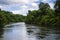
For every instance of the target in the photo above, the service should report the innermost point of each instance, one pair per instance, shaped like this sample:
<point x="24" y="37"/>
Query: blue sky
<point x="22" y="6"/>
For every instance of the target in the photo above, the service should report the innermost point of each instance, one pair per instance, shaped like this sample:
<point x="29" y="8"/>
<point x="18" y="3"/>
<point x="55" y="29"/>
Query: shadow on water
<point x="38" y="32"/>
<point x="1" y="32"/>
<point x="44" y="33"/>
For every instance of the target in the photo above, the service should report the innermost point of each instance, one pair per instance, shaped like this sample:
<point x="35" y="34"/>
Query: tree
<point x="57" y="8"/>
<point x="45" y="16"/>
<point x="43" y="7"/>
<point x="8" y="17"/>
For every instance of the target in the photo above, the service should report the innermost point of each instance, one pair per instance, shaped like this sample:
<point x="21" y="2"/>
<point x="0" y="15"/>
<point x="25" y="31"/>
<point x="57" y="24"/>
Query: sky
<point x="22" y="6"/>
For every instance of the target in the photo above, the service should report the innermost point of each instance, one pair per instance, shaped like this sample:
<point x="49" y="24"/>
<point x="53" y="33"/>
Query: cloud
<point x="21" y="6"/>
<point x="48" y="1"/>
<point x="1" y="6"/>
<point x="52" y="5"/>
<point x="45" y="1"/>
<point x="24" y="9"/>
<point x="22" y="12"/>
<point x="16" y="1"/>
<point x="18" y="6"/>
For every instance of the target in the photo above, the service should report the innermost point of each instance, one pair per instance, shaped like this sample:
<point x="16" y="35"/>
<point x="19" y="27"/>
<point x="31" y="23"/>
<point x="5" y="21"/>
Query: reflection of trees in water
<point x="42" y="33"/>
<point x="29" y="28"/>
<point x="1" y="32"/>
<point x="39" y="34"/>
<point x="57" y="32"/>
<point x="58" y="37"/>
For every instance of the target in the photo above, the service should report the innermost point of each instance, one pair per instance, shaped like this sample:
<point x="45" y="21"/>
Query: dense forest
<point x="45" y="16"/>
<point x="8" y="17"/>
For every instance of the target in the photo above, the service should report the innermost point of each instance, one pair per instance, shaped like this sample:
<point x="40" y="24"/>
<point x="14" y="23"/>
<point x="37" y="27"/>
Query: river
<point x="22" y="31"/>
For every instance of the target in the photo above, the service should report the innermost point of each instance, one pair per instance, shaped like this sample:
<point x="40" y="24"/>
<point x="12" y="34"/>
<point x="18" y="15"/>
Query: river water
<point x="22" y="31"/>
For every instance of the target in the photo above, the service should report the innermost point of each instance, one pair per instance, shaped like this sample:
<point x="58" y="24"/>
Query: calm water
<point x="22" y="31"/>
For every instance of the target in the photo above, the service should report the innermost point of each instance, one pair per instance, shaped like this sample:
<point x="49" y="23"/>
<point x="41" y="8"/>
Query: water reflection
<point x="1" y="33"/>
<point x="43" y="33"/>
<point x="22" y="31"/>
<point x="58" y="37"/>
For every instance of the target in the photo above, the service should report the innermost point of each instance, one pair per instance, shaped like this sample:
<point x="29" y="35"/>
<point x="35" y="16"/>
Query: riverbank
<point x="44" y="16"/>
<point x="8" y="18"/>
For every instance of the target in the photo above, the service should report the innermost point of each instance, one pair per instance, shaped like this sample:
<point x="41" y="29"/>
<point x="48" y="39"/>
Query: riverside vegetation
<point x="8" y="17"/>
<point x="45" y="16"/>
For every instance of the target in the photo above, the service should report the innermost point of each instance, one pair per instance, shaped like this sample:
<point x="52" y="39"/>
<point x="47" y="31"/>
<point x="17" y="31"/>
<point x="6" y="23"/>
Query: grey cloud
<point x="3" y="2"/>
<point x="6" y="2"/>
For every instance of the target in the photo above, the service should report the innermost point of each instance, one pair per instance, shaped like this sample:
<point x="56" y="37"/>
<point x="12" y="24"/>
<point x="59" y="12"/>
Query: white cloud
<point x="51" y="5"/>
<point x="24" y="7"/>
<point x="1" y="6"/>
<point x="17" y="1"/>
<point x="48" y="1"/>
<point x="45" y="1"/>
<point x="21" y="6"/>
<point x="34" y="4"/>
<point x="22" y="12"/>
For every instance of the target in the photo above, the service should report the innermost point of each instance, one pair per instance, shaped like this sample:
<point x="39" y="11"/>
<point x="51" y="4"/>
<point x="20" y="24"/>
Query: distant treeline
<point x="45" y="16"/>
<point x="8" y="17"/>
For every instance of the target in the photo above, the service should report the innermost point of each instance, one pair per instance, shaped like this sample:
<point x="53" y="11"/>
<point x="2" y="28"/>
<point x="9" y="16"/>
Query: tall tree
<point x="43" y="7"/>
<point x="57" y="7"/>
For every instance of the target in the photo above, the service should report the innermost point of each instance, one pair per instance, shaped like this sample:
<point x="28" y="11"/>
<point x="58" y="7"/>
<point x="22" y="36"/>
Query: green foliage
<point x="8" y="17"/>
<point x="57" y="7"/>
<point x="44" y="16"/>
